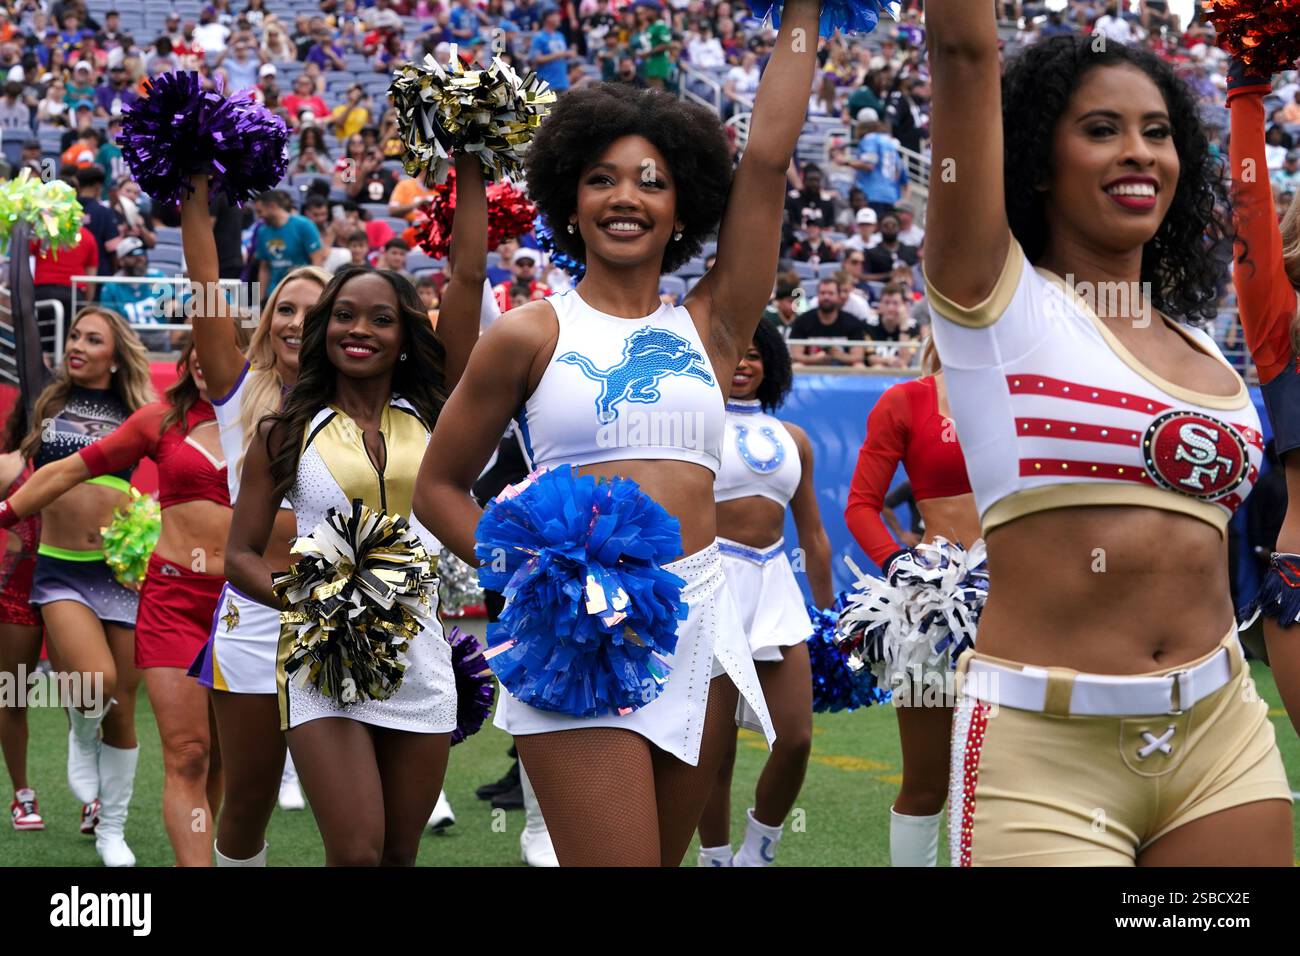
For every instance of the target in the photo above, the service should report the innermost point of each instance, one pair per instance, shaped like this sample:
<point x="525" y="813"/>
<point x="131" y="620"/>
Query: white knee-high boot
<point x="290" y="790"/>
<point x="83" y="754"/>
<point x="116" y="784"/>
<point x="535" y="847"/>
<point x="223" y="860"/>
<point x="913" y="841"/>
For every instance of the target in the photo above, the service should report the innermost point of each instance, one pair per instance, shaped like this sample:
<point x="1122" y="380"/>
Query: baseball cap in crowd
<point x="522" y="253"/>
<point x="81" y="65"/>
<point x="130" y="246"/>
<point x="785" y="289"/>
<point x="866" y="216"/>
<point x="85" y="105"/>
<point x="812" y="215"/>
<point x="868" y="115"/>
<point x="267" y="69"/>
<point x="905" y="207"/>
<point x="1293" y="156"/>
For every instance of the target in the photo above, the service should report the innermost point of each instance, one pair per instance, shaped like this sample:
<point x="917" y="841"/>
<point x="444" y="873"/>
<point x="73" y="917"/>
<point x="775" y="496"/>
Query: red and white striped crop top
<point x="1053" y="411"/>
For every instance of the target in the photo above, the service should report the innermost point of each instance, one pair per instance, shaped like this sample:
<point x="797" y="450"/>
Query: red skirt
<point x="175" y="617"/>
<point x="15" y="589"/>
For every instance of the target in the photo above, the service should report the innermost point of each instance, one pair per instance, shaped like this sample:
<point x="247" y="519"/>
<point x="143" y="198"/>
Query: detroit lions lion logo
<point x="649" y="355"/>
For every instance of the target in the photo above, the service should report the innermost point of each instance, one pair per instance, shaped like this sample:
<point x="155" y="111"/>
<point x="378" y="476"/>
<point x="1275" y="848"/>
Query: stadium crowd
<point x="853" y="241"/>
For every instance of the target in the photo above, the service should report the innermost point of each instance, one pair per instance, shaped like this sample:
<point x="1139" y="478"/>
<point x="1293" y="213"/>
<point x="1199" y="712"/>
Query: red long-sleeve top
<point x="1266" y="299"/>
<point x="904" y="427"/>
<point x="186" y="471"/>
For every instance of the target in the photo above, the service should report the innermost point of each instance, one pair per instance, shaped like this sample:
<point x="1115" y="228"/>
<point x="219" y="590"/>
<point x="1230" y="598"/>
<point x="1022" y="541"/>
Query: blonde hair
<point x="264" y="391"/>
<point x="930" y="364"/>
<point x="132" y="382"/>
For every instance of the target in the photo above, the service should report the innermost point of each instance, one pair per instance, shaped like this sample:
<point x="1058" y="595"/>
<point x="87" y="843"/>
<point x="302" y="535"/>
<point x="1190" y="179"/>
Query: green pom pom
<point x="51" y="208"/>
<point x="130" y="538"/>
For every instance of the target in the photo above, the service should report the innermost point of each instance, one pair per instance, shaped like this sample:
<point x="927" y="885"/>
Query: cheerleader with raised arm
<point x="766" y="469"/>
<point x="1108" y="443"/>
<point x="238" y="662"/>
<point x="1266" y="274"/>
<point x="622" y="397"/>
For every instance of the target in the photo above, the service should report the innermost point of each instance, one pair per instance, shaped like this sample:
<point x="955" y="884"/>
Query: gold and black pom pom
<point x="492" y="113"/>
<point x="362" y="591"/>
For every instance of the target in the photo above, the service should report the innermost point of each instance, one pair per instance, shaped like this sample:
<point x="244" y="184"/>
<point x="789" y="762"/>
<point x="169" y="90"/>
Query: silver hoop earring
<point x="677" y="237"/>
<point x="572" y="228"/>
<point x="403" y="358"/>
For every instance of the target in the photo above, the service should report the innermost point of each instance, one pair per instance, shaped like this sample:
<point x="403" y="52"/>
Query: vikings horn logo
<point x="231" y="617"/>
<point x="649" y="355"/>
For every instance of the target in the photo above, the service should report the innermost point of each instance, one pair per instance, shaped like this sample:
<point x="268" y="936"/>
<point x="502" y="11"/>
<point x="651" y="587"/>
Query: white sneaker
<point x="442" y="817"/>
<point x="290" y="791"/>
<point x="117" y="782"/>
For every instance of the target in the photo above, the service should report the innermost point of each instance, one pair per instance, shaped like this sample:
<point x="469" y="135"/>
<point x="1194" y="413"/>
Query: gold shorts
<point x="1030" y="788"/>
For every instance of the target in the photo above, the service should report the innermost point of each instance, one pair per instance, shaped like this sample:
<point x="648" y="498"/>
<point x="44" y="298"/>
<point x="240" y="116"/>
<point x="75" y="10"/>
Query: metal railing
<point x="690" y="75"/>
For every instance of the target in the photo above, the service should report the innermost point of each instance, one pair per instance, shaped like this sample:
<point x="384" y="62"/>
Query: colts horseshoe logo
<point x="1194" y="454"/>
<point x="764" y="466"/>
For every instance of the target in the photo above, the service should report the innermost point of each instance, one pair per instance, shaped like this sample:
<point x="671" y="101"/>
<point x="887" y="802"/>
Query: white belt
<point x="1098" y="695"/>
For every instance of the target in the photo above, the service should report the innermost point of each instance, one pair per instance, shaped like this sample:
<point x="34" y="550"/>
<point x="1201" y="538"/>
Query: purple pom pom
<point x="180" y="130"/>
<point x="475" y="686"/>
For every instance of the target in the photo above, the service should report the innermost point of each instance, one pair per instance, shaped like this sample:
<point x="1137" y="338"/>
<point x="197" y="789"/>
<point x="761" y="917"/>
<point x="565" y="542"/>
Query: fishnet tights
<point x="611" y="798"/>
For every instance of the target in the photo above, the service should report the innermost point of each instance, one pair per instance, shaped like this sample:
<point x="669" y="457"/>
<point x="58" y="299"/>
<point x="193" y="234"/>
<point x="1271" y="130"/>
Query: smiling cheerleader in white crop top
<point x="607" y="378"/>
<point x="238" y="661"/>
<point x="1107" y="716"/>
<point x="767" y="469"/>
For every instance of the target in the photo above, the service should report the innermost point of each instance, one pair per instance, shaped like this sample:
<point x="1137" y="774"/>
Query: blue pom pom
<point x="590" y="615"/>
<point x="546" y="242"/>
<point x="847" y="16"/>
<point x="836" y="685"/>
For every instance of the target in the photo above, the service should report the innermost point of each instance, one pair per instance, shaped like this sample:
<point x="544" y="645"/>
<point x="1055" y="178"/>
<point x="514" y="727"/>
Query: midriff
<point x="1106" y="590"/>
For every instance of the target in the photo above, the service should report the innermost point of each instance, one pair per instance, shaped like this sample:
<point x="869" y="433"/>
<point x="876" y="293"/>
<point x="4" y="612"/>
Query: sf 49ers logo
<point x="1194" y="454"/>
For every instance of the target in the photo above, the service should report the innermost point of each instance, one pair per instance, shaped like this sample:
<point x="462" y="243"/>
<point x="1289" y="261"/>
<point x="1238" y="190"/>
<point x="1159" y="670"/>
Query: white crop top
<point x="759" y="456"/>
<point x="1053" y="411"/>
<point x="617" y="389"/>
<point x="228" y="410"/>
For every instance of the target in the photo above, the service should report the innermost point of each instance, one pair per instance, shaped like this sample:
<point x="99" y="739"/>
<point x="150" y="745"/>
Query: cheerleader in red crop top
<point x="20" y="626"/>
<point x="1265" y="278"/>
<point x="908" y="426"/>
<point x="1107" y="717"/>
<point x="185" y="574"/>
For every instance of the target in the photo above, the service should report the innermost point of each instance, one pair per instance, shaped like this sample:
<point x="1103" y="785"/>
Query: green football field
<point x="841" y="818"/>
